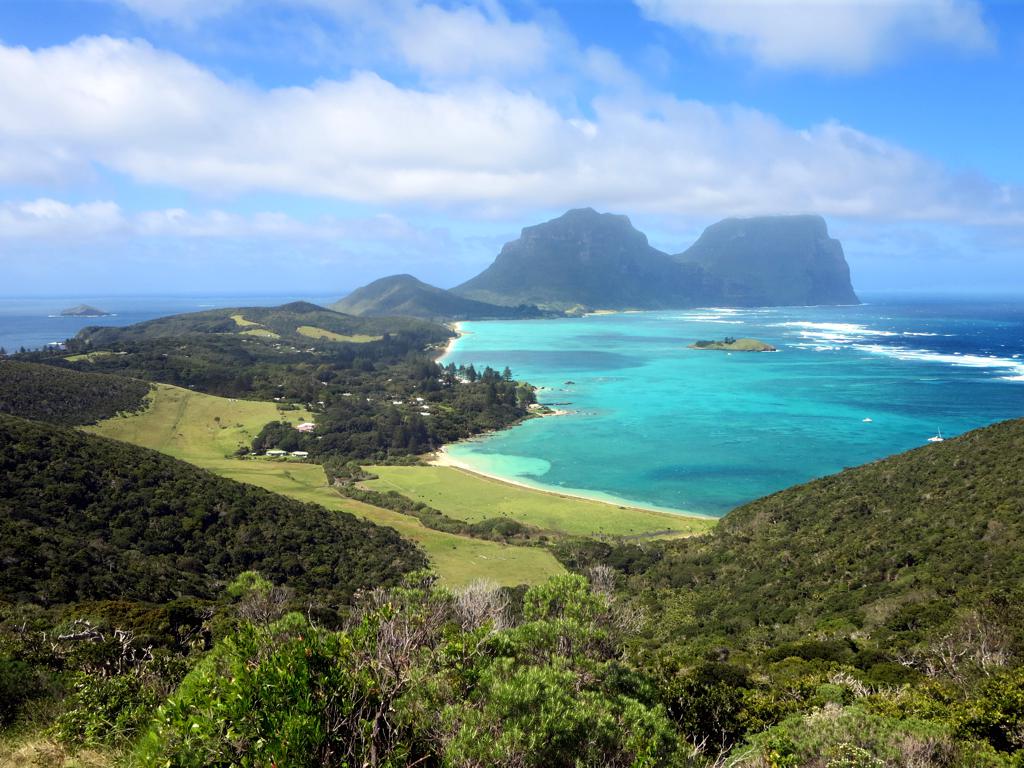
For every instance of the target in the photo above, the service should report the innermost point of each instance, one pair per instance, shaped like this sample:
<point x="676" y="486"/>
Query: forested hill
<point x="405" y="296"/>
<point x="83" y="518"/>
<point x="299" y="322"/>
<point x="895" y="549"/>
<point x="284" y="352"/>
<point x="64" y="396"/>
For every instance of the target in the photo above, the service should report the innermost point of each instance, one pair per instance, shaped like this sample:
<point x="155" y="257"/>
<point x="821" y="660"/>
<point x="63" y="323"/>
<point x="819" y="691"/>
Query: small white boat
<point x="866" y="421"/>
<point x="937" y="437"/>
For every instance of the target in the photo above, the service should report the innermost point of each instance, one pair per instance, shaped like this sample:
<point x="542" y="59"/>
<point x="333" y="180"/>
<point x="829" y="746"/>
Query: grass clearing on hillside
<point x="206" y="430"/>
<point x="241" y="322"/>
<point x="261" y="332"/>
<point x="313" y="332"/>
<point x="466" y="496"/>
<point x="89" y="357"/>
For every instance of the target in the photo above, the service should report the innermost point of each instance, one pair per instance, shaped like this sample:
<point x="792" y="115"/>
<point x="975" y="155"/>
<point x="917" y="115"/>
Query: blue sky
<point x="309" y="146"/>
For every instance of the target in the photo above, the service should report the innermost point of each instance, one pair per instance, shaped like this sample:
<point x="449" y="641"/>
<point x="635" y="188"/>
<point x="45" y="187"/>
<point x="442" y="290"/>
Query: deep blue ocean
<point x="656" y="423"/>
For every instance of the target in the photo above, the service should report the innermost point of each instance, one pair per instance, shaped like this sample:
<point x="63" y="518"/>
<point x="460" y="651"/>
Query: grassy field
<point x="321" y="333"/>
<point x="89" y="357"/>
<point x="262" y="332"/>
<point x="206" y="430"/>
<point x="472" y="498"/>
<point x="241" y="322"/>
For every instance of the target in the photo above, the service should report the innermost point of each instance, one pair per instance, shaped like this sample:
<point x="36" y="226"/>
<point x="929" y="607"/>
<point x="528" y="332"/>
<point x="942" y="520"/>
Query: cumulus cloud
<point x="47" y="219"/>
<point x="53" y="219"/>
<point x="468" y="41"/>
<point x="158" y="118"/>
<point x="839" y="35"/>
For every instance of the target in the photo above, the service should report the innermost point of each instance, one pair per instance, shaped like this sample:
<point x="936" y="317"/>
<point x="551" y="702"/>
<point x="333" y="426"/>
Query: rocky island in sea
<point x="84" y="310"/>
<point x="729" y="344"/>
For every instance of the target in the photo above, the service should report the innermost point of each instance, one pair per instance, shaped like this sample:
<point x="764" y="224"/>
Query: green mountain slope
<point x="601" y="260"/>
<point x="405" y="296"/>
<point x="83" y="518"/>
<point x="893" y="549"/>
<point x="773" y="260"/>
<point x="64" y="396"/>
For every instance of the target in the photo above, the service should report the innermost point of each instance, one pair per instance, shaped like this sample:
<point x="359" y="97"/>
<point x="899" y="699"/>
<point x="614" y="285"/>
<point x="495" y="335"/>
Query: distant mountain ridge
<point x="601" y="260"/>
<point x="585" y="259"/>
<point x="405" y="296"/>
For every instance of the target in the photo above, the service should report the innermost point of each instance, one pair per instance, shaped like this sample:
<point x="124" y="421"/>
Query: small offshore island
<point x="730" y="344"/>
<point x="84" y="310"/>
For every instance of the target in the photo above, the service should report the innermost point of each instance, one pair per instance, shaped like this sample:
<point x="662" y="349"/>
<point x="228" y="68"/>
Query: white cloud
<point x="157" y="118"/>
<point x="52" y="219"/>
<point x="49" y="220"/>
<point x="468" y="41"/>
<point x="839" y="35"/>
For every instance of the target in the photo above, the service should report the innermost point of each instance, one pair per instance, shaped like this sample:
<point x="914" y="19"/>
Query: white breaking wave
<point x="1014" y="368"/>
<point x="711" y="319"/>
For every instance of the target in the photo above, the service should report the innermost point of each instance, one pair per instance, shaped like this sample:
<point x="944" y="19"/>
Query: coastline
<point x="450" y="346"/>
<point x="442" y="458"/>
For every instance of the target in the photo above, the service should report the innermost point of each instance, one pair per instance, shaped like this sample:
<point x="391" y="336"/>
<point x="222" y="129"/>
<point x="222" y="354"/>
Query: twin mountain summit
<point x="588" y="260"/>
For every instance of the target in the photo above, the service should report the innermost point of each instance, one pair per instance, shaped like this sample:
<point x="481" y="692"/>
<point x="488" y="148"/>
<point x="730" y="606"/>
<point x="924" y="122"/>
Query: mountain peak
<point x="407" y="296"/>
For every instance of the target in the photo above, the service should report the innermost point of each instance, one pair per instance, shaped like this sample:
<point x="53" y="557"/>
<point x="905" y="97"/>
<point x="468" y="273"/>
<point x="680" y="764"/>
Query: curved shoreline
<point x="450" y="346"/>
<point x="442" y="458"/>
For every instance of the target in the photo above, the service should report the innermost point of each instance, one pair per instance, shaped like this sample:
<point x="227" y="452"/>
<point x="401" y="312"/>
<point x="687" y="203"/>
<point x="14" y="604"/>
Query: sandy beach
<point x="459" y="333"/>
<point x="442" y="458"/>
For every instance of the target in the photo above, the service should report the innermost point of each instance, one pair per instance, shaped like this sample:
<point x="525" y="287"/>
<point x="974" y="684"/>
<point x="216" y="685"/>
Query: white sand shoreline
<point x="442" y="458"/>
<point x="450" y="346"/>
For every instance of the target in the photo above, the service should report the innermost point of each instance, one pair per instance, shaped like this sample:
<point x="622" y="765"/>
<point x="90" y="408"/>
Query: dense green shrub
<point x="83" y="517"/>
<point x="422" y="676"/>
<point x="63" y="396"/>
<point x="106" y="710"/>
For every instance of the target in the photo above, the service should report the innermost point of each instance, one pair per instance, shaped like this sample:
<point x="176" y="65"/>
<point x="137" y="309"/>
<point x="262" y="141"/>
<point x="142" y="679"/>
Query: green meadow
<point x="206" y="431"/>
<point x="313" y="332"/>
<point x="470" y="497"/>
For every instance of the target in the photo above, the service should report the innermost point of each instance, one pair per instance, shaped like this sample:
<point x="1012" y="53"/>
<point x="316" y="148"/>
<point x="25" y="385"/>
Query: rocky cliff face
<point x="773" y="260"/>
<point x="589" y="258"/>
<point x="600" y="260"/>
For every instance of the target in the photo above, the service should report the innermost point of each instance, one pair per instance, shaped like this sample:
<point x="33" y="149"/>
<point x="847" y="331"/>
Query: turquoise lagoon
<point x="654" y="423"/>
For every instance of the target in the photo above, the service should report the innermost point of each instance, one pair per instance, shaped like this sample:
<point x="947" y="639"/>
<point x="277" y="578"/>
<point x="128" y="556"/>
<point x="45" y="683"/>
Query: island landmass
<point x="729" y="344"/>
<point x="84" y="310"/>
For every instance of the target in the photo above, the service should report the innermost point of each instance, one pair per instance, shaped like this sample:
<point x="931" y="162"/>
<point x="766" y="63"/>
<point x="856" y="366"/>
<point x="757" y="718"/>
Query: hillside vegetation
<point x="896" y="549"/>
<point x="86" y="518"/>
<point x="208" y="431"/>
<point x="63" y="396"/>
<point x="404" y="295"/>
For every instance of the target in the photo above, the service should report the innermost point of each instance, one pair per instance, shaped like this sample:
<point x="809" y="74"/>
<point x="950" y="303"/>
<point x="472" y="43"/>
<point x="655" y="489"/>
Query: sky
<point x="309" y="146"/>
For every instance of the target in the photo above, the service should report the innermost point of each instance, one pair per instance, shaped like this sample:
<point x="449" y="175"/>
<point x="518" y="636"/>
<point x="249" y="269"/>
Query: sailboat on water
<point x="937" y="437"/>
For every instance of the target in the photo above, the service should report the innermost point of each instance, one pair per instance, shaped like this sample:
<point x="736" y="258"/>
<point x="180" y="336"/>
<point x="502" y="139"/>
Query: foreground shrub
<point x="853" y="737"/>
